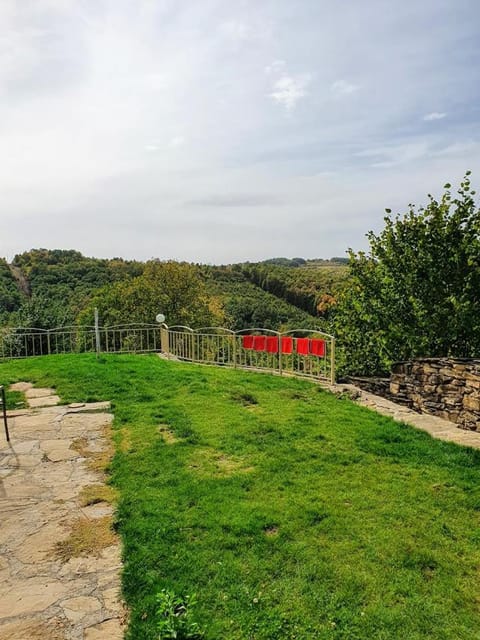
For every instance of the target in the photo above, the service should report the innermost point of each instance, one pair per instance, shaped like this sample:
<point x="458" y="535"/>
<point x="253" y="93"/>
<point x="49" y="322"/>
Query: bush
<point x="415" y="293"/>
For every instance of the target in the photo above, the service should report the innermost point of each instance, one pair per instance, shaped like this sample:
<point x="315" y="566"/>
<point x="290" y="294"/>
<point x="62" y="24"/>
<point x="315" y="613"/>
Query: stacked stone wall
<point x="444" y="387"/>
<point x="378" y="386"/>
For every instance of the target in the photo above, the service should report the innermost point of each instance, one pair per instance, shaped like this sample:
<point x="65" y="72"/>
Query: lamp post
<point x="164" y="343"/>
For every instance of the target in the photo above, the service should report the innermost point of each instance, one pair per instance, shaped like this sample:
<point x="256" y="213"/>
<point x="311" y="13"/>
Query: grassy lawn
<point x="291" y="514"/>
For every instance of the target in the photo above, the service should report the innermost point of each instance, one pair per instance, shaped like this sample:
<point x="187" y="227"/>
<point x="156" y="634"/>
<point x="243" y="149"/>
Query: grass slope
<point x="290" y="513"/>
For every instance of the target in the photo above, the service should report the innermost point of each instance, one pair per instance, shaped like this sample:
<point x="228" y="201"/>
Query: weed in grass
<point x="271" y="530"/>
<point x="87" y="538"/>
<point x="125" y="440"/>
<point x="297" y="395"/>
<point x="175" y="617"/>
<point x="315" y="516"/>
<point x="95" y="493"/>
<point x="167" y="434"/>
<point x="15" y="399"/>
<point x="98" y="461"/>
<point x="244" y="398"/>
<point x="80" y="445"/>
<point x="210" y="462"/>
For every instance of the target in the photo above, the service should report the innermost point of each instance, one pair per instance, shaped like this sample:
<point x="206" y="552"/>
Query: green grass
<point x="15" y="399"/>
<point x="291" y="514"/>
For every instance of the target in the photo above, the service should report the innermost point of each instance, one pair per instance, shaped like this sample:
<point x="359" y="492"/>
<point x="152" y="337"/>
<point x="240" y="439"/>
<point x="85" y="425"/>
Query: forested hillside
<point x="53" y="286"/>
<point x="48" y="288"/>
<point x="247" y="305"/>
<point x="10" y="293"/>
<point x="311" y="288"/>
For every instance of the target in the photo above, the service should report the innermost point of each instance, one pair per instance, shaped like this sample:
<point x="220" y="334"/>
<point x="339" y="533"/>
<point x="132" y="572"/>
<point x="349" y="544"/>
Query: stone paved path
<point x="436" y="427"/>
<point x="41" y="477"/>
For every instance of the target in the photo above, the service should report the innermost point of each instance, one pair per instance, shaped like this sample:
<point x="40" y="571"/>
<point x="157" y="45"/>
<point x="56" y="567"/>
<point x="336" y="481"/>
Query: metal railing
<point x="287" y="352"/>
<point x="280" y="354"/>
<point x="25" y="342"/>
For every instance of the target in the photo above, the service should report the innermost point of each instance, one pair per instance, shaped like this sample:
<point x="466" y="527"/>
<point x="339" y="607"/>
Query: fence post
<point x="164" y="340"/>
<point x="332" y="361"/>
<point x="48" y="342"/>
<point x="97" y="333"/>
<point x="279" y="338"/>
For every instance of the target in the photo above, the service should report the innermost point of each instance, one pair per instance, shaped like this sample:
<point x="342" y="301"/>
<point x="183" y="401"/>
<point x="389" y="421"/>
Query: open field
<point x="291" y="514"/>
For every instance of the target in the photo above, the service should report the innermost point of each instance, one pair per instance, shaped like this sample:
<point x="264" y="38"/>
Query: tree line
<point x="415" y="292"/>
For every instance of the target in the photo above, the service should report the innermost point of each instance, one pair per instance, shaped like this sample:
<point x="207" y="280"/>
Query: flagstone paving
<point x="436" y="427"/>
<point x="41" y="477"/>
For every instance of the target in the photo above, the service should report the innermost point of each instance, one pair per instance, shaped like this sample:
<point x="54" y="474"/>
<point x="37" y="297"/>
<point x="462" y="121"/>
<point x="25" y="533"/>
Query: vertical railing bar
<point x="4" y="410"/>
<point x="332" y="361"/>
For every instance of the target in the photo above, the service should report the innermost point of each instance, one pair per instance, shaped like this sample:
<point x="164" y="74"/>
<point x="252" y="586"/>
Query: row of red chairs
<point x="270" y="344"/>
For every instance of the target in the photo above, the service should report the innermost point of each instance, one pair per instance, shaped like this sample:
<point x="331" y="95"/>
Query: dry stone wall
<point x="444" y="387"/>
<point x="377" y="386"/>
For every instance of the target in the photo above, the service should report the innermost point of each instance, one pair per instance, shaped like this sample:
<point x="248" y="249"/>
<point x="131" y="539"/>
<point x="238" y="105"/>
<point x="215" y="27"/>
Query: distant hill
<point x="302" y="262"/>
<point x="46" y="288"/>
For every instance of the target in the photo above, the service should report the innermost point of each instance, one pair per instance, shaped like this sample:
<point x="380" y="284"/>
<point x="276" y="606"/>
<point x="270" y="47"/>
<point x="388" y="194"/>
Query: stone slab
<point x="77" y="608"/>
<point x="108" y="630"/>
<point x="29" y="596"/>
<point x="33" y="628"/>
<point x="57" y="450"/>
<point x="21" y="386"/>
<point x="46" y="401"/>
<point x="39" y="393"/>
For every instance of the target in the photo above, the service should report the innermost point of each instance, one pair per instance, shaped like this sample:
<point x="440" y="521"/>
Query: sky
<point x="216" y="131"/>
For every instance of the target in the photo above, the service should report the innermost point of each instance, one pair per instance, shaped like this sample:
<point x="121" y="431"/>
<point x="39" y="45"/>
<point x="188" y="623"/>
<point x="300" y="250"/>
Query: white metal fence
<point x="24" y="342"/>
<point x="302" y="352"/>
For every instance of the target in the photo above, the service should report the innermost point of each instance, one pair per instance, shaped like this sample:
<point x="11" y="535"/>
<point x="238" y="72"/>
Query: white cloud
<point x="396" y="154"/>
<point x="288" y="90"/>
<point x="275" y="67"/>
<point x="235" y="30"/>
<point x="458" y="149"/>
<point x="435" y="115"/>
<point x="342" y="87"/>
<point x="177" y="141"/>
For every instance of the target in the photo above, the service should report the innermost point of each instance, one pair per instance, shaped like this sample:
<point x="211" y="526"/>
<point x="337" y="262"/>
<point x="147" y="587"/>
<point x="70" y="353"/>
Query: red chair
<point x="287" y="344"/>
<point x="247" y="342"/>
<point x="317" y="347"/>
<point x="272" y="344"/>
<point x="259" y="343"/>
<point x="302" y="346"/>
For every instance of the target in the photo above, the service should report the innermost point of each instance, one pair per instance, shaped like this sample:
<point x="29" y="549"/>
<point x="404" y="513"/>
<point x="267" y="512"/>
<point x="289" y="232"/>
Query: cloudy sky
<point x="220" y="131"/>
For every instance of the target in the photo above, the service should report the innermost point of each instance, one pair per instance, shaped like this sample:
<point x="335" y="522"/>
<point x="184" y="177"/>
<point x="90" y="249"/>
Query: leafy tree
<point x="10" y="295"/>
<point x="416" y="292"/>
<point x="43" y="312"/>
<point x="175" y="289"/>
